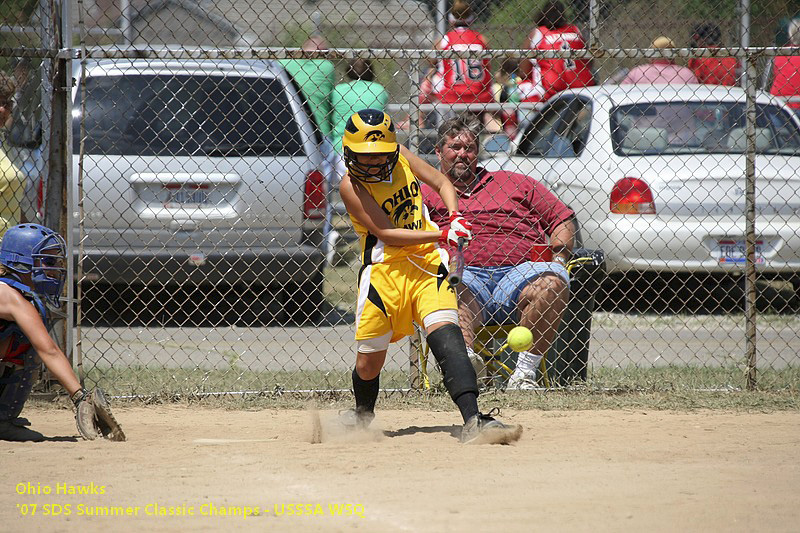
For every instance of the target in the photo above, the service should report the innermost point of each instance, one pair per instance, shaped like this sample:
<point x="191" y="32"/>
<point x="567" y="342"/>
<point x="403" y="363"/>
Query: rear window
<point x="157" y="115"/>
<point x="692" y="128"/>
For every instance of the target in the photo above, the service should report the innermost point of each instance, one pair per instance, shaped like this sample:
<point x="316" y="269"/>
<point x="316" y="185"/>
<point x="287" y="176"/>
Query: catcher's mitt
<point x="93" y="416"/>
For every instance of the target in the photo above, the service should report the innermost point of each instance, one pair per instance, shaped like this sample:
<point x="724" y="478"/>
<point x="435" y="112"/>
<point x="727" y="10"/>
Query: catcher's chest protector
<point x="19" y="344"/>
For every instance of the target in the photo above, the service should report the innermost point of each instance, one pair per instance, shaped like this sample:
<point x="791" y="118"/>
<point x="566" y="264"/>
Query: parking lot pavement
<point x="617" y="341"/>
<point x="692" y="340"/>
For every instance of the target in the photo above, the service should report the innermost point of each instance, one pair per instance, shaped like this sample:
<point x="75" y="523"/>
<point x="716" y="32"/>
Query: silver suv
<point x="201" y="174"/>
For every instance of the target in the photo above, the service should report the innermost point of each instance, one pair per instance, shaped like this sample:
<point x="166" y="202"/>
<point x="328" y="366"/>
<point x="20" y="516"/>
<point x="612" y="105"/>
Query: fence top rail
<point x="389" y="53"/>
<point x="171" y="52"/>
<point x="492" y="107"/>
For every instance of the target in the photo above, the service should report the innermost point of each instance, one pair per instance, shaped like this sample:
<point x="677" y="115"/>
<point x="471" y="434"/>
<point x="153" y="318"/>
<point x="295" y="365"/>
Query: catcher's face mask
<point x="38" y="251"/>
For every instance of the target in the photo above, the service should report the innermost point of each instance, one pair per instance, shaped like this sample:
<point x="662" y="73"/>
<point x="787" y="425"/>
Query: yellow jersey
<point x="401" y="200"/>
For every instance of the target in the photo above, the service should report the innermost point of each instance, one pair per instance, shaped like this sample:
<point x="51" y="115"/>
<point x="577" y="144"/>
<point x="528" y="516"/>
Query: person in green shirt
<point x="360" y="92"/>
<point x="316" y="78"/>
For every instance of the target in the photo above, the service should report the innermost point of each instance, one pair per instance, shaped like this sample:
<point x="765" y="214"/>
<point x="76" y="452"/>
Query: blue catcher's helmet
<point x="38" y="251"/>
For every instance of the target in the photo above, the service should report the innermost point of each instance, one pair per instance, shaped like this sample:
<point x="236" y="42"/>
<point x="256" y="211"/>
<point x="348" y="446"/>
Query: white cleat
<point x="522" y="382"/>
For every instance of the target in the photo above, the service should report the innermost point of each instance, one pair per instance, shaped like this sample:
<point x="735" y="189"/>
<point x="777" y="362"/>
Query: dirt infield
<point x="204" y="469"/>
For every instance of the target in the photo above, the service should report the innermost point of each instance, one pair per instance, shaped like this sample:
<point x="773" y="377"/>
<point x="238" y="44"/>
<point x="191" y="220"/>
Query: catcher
<point x="32" y="271"/>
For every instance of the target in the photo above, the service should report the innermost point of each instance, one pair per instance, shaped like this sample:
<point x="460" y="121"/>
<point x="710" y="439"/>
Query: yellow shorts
<point x="392" y="296"/>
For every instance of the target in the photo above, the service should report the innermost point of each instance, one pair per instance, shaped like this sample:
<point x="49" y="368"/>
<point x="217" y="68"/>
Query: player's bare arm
<point x="15" y="308"/>
<point x="363" y="207"/>
<point x="562" y="239"/>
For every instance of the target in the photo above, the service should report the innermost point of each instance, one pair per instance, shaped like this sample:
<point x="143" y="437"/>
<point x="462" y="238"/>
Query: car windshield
<point x="561" y="130"/>
<point x="177" y="115"/>
<point x="692" y="128"/>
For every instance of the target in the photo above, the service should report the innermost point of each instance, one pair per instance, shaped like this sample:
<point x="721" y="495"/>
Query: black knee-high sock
<point x="447" y="345"/>
<point x="366" y="392"/>
<point x="468" y="405"/>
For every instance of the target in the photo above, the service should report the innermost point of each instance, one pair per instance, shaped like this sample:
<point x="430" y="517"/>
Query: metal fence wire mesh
<point x="201" y="143"/>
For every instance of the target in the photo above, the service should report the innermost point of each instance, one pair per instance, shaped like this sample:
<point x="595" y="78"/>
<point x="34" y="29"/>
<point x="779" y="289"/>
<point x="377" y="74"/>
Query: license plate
<point x="735" y="251"/>
<point x="186" y="195"/>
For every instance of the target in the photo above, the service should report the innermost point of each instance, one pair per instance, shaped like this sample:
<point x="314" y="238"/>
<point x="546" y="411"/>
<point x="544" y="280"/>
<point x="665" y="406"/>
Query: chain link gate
<point x="215" y="254"/>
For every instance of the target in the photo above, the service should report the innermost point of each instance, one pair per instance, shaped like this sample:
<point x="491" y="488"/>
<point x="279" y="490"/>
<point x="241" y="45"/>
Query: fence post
<point x="744" y="34"/>
<point x="55" y="30"/>
<point x="594" y="16"/>
<point x="750" y="223"/>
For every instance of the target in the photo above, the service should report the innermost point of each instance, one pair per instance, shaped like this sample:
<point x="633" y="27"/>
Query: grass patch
<point x="339" y="287"/>
<point x="673" y="388"/>
<point x="340" y="279"/>
<point x="550" y="400"/>
<point x="173" y="384"/>
<point x="689" y="378"/>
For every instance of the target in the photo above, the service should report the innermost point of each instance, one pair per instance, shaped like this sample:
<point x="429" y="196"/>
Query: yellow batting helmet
<point x="370" y="132"/>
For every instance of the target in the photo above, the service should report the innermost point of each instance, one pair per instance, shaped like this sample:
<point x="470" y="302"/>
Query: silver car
<point x="201" y="174"/>
<point x="656" y="175"/>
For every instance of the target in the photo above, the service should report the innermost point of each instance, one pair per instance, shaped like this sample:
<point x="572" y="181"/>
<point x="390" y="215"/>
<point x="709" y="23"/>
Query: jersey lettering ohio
<point x="401" y="200"/>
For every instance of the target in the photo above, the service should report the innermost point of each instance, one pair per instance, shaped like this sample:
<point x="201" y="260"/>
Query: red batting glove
<point x="460" y="228"/>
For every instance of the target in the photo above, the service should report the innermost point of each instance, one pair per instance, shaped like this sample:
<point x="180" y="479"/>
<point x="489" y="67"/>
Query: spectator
<point x="712" y="70"/>
<point x="545" y="77"/>
<point x="464" y="81"/>
<point x="786" y="82"/>
<point x="12" y="180"/>
<point x="505" y="89"/>
<point x="360" y="92"/>
<point x="660" y="71"/>
<point x="316" y="78"/>
<point x="429" y="88"/>
<point x="510" y="213"/>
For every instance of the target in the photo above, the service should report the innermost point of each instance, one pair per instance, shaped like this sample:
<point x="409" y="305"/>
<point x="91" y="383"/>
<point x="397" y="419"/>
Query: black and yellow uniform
<point x="399" y="285"/>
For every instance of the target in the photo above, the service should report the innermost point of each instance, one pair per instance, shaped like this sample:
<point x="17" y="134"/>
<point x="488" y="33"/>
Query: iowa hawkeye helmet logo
<point x="374" y="136"/>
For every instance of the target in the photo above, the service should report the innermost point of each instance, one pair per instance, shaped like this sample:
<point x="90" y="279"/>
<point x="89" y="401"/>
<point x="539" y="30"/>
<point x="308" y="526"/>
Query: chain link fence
<point x="191" y="153"/>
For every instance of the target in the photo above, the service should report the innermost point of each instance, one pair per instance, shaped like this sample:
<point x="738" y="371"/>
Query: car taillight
<point x="632" y="196"/>
<point x="314" y="199"/>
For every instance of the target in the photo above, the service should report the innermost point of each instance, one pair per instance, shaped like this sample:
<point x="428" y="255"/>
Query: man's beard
<point x="461" y="174"/>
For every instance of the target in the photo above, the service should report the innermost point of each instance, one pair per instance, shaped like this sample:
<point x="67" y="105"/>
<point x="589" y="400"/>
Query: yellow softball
<point x="520" y="339"/>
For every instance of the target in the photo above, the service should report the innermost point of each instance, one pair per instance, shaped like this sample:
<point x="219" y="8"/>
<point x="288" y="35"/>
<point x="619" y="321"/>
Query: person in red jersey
<point x="712" y="70"/>
<point x="464" y="81"/>
<point x="542" y="78"/>
<point x="549" y="76"/>
<point x="786" y="70"/>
